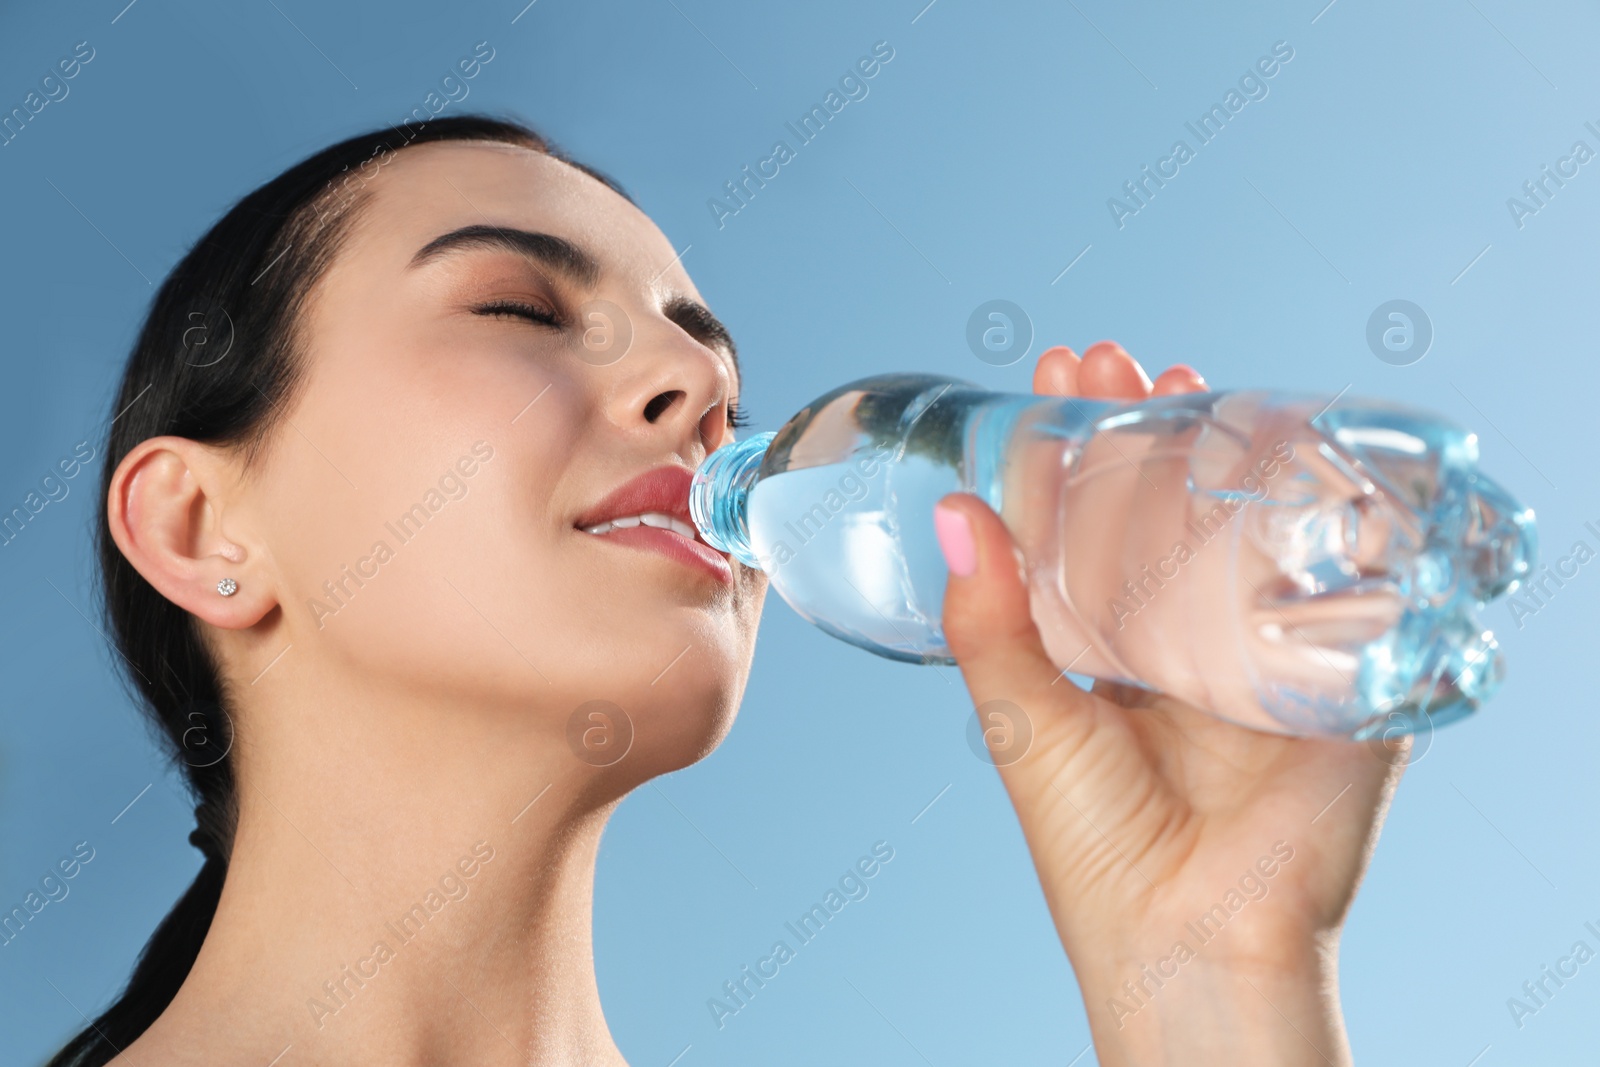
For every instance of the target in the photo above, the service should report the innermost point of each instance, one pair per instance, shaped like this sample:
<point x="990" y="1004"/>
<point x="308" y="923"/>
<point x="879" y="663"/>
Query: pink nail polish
<point x="955" y="540"/>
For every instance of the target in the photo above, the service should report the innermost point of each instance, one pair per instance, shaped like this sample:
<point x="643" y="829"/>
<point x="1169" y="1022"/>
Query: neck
<point x="403" y="896"/>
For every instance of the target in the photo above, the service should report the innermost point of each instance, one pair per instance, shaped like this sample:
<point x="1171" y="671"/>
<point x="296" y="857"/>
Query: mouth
<point x="651" y="512"/>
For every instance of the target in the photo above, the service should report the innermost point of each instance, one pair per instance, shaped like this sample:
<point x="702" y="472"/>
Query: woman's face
<point x="466" y="414"/>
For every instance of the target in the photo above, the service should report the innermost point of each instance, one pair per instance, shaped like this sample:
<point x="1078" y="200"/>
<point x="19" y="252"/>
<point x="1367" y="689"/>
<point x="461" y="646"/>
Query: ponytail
<point x="162" y="967"/>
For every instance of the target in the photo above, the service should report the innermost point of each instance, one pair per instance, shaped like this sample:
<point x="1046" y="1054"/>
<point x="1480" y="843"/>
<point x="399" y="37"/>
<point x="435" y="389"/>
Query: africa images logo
<point x="852" y="87"/>
<point x="1205" y="129"/>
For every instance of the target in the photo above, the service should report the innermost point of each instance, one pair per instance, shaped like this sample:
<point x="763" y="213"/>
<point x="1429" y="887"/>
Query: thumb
<point x="991" y="632"/>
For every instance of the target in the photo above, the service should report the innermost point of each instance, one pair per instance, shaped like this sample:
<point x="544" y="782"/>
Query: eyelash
<point x="521" y="311"/>
<point x="736" y="417"/>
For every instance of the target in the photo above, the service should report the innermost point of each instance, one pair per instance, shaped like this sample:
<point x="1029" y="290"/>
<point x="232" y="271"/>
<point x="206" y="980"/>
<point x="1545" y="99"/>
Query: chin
<point x="647" y="670"/>
<point x="642" y="724"/>
<point x="672" y="735"/>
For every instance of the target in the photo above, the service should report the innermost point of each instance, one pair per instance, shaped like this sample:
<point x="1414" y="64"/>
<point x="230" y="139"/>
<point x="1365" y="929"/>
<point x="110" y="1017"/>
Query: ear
<point x="165" y="509"/>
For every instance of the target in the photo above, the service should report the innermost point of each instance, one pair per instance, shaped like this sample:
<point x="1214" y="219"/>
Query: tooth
<point x="604" y="527"/>
<point x="623" y="524"/>
<point x="681" y="527"/>
<point x="656" y="519"/>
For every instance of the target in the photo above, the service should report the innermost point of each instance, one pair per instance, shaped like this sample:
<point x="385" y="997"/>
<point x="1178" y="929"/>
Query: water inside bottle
<point x="1279" y="561"/>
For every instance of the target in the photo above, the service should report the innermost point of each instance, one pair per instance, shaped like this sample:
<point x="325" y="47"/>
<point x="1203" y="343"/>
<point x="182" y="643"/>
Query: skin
<point x="378" y="745"/>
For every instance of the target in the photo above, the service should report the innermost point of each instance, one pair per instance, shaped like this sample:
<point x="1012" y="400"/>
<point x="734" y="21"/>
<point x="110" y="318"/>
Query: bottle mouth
<point x="719" y="496"/>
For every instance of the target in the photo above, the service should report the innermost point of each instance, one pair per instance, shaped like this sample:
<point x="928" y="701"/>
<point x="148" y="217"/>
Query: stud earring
<point x="227" y="587"/>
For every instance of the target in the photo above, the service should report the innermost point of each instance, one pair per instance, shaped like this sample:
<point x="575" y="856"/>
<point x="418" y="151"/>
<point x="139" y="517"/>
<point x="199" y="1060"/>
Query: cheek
<point x="387" y="572"/>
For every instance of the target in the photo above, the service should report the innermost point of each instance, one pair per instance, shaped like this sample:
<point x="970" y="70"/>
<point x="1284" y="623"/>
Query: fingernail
<point x="1197" y="375"/>
<point x="955" y="540"/>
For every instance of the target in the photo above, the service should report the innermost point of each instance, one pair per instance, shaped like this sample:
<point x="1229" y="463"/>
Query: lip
<point x="662" y="489"/>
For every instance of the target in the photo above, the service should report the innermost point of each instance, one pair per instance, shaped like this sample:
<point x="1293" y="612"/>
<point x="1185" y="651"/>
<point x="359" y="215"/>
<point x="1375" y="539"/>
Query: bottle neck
<point x="720" y="493"/>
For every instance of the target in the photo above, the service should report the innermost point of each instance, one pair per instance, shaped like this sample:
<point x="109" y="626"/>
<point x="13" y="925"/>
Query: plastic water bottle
<point x="1294" y="563"/>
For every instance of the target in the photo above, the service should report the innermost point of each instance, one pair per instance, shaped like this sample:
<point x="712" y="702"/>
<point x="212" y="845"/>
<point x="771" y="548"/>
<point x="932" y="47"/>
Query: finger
<point x="1179" y="378"/>
<point x="987" y="621"/>
<point x="1108" y="372"/>
<point x="1056" y="373"/>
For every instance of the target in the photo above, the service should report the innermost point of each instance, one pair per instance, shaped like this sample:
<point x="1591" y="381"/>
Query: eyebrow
<point x="557" y="253"/>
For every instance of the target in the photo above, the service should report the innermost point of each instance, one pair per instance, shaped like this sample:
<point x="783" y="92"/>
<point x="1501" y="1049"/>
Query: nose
<point x="669" y="387"/>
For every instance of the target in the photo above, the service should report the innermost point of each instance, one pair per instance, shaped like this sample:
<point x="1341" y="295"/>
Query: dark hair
<point x="245" y="284"/>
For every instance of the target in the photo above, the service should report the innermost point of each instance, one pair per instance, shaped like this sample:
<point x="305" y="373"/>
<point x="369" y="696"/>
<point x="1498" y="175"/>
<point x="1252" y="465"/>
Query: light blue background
<point x="978" y="167"/>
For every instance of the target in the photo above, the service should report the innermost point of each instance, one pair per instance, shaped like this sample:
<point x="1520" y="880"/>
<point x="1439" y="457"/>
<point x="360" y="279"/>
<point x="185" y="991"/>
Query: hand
<point x="1144" y="815"/>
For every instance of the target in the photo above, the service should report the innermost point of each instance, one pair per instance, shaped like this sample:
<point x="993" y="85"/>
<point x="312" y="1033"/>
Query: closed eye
<point x="517" y="309"/>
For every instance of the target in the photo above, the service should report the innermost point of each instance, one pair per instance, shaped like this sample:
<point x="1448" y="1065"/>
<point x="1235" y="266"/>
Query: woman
<point x="361" y="563"/>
